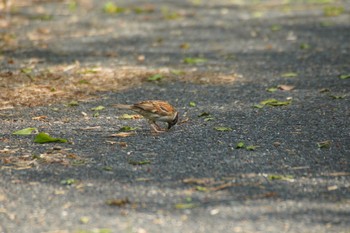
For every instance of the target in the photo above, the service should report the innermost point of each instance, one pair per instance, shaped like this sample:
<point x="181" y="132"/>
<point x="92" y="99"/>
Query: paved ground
<point x="192" y="179"/>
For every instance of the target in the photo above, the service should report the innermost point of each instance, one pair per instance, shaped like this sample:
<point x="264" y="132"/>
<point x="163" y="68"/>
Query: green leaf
<point x="251" y="147"/>
<point x="73" y="103"/>
<point x="221" y="128"/>
<point x="156" y="77"/>
<point x="331" y="11"/>
<point x="126" y="117"/>
<point x="98" y="108"/>
<point x="108" y="168"/>
<point x="192" y="104"/>
<point x="128" y="128"/>
<point x="289" y="75"/>
<point x="178" y="72"/>
<point x="26" y="131"/>
<point x="324" y="144"/>
<point x="209" y="118"/>
<point x="258" y="106"/>
<point x="27" y="70"/>
<point x="111" y="8"/>
<point x="45" y="138"/>
<point x="240" y="145"/>
<point x="336" y="97"/>
<point x="276" y="27"/>
<point x="344" y="76"/>
<point x="185" y="205"/>
<point x="84" y="219"/>
<point x="304" y="46"/>
<point x="202" y="189"/>
<point x="272" y="89"/>
<point x="280" y="177"/>
<point x="72" y="5"/>
<point x="144" y="162"/>
<point x="204" y="114"/>
<point x="275" y="103"/>
<point x="194" y="60"/>
<point x="96" y="114"/>
<point x="68" y="181"/>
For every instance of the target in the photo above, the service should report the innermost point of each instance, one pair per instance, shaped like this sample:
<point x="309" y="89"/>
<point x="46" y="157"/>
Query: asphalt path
<point x="291" y="174"/>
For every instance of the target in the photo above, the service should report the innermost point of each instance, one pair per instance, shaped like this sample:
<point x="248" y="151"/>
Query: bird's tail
<point x="122" y="106"/>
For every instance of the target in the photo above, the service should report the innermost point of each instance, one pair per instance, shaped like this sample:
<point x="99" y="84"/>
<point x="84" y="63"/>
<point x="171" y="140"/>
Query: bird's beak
<point x="174" y="121"/>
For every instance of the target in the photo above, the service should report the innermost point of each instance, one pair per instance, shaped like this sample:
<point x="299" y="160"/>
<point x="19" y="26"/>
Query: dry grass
<point x="30" y="87"/>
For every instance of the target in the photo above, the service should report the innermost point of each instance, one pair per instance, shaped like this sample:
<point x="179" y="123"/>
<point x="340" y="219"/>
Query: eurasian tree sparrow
<point x="154" y="110"/>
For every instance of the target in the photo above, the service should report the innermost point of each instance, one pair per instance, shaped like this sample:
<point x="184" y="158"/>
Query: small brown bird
<point x="154" y="110"/>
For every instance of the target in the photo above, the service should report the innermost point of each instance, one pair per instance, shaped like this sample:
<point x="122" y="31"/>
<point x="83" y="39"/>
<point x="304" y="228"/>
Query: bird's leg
<point x="156" y="128"/>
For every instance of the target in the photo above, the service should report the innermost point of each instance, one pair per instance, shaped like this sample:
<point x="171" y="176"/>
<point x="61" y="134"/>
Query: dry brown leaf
<point x="123" y="144"/>
<point x="123" y="134"/>
<point x="8" y="151"/>
<point x="118" y="202"/>
<point x="198" y="181"/>
<point x="286" y="87"/>
<point x="39" y="118"/>
<point x="338" y="174"/>
<point x="223" y="186"/>
<point x="183" y="121"/>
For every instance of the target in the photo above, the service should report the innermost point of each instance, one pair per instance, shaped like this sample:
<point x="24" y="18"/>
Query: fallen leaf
<point x="276" y="27"/>
<point x="324" y="144"/>
<point x="204" y="114"/>
<point x="272" y="89"/>
<point x="26" y="131"/>
<point x="251" y="147"/>
<point x="98" y="108"/>
<point x="280" y="177"/>
<point x="73" y="103"/>
<point x="240" y="145"/>
<point x="112" y="8"/>
<point x="202" y="189"/>
<point x="156" y="77"/>
<point x="45" y="138"/>
<point x="304" y="46"/>
<point x="221" y="128"/>
<point x="192" y="104"/>
<point x="332" y="188"/>
<point x="84" y="219"/>
<point x="123" y="144"/>
<point x="285" y="87"/>
<point x="128" y="117"/>
<point x="337" y="97"/>
<point x="128" y="128"/>
<point x="331" y="11"/>
<point x="338" y="174"/>
<point x="185" y="46"/>
<point x="185" y="205"/>
<point x="68" y="181"/>
<point x="135" y="163"/>
<point x="289" y="75"/>
<point x="123" y="134"/>
<point x="194" y="60"/>
<point x="118" y="202"/>
<point x="275" y="103"/>
<point x="199" y="181"/>
<point x="222" y="186"/>
<point x="344" y="76"/>
<point x="39" y="118"/>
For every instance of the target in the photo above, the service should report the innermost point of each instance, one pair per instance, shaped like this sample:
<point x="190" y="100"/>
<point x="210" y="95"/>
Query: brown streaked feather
<point x="155" y="106"/>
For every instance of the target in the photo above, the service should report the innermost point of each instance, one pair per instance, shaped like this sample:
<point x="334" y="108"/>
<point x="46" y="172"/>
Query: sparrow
<point x="154" y="110"/>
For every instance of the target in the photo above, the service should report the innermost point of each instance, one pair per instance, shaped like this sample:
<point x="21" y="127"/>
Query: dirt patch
<point x="30" y="87"/>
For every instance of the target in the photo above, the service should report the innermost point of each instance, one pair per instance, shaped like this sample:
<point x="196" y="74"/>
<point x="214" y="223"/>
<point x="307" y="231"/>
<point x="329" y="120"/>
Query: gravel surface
<point x="193" y="178"/>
